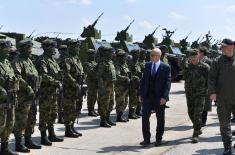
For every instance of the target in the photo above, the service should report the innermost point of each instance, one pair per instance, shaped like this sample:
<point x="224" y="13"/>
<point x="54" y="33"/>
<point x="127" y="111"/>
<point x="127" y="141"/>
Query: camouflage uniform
<point x="164" y="50"/>
<point x="10" y="85"/>
<point x="27" y="108"/>
<point x="106" y="77"/>
<point x="122" y="85"/>
<point x="90" y="68"/>
<point x="63" y="53"/>
<point x="135" y="84"/>
<point x="195" y="88"/>
<point x="73" y="73"/>
<point x="49" y="91"/>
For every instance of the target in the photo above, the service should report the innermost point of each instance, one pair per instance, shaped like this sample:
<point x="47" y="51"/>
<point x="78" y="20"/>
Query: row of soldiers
<point x="57" y="87"/>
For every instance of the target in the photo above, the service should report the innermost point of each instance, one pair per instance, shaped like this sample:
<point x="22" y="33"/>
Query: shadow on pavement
<point x="179" y="128"/>
<point x="177" y="92"/>
<point x="209" y="152"/>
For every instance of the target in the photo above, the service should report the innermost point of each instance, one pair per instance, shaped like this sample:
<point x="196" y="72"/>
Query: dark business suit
<point x="152" y="90"/>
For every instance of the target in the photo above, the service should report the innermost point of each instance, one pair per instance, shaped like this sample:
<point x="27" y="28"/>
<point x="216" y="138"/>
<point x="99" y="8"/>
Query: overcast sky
<point x="71" y="16"/>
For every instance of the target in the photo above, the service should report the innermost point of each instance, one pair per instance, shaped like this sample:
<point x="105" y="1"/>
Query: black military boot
<point x="110" y="122"/>
<point x="139" y="111"/>
<point x="52" y="137"/>
<point x="120" y="117"/>
<point x="131" y="114"/>
<point x="69" y="133"/>
<point x="91" y="112"/>
<point x="104" y="123"/>
<point x="5" y="150"/>
<point x="227" y="149"/>
<point x="44" y="139"/>
<point x="19" y="146"/>
<point x="75" y="131"/>
<point x="30" y="144"/>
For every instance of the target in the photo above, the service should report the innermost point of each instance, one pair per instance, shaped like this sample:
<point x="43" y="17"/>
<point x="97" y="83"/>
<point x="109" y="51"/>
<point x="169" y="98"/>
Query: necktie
<point x="154" y="70"/>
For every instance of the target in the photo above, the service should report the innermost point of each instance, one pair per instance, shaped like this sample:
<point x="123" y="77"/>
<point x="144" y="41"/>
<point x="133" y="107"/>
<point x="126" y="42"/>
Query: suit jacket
<point x="162" y="82"/>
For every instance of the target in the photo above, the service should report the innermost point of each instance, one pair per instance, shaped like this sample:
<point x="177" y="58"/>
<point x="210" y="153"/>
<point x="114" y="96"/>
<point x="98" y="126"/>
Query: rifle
<point x="82" y="90"/>
<point x="61" y="101"/>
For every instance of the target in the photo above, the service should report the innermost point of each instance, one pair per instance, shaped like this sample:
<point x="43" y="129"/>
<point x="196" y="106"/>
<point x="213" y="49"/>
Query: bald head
<point x="156" y="55"/>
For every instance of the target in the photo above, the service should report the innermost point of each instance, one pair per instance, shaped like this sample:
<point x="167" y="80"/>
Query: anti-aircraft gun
<point x="124" y="40"/>
<point x="150" y="41"/>
<point x="184" y="44"/>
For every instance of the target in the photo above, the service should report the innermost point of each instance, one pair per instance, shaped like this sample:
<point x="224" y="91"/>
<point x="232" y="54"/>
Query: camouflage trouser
<point x="92" y="90"/>
<point x="2" y="119"/>
<point x="224" y="110"/>
<point x="48" y="109"/>
<point x="79" y="103"/>
<point x="70" y="112"/>
<point x="105" y="99"/>
<point x="121" y="96"/>
<point x="10" y="120"/>
<point x="195" y="105"/>
<point x="24" y="121"/>
<point x="133" y="98"/>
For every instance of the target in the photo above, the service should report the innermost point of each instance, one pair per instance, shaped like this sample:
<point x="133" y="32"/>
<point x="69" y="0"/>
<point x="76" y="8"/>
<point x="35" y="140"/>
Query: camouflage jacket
<point x="136" y="73"/>
<point x="123" y="73"/>
<point x="106" y="72"/>
<point x="27" y="73"/>
<point x="90" y="68"/>
<point x="49" y="70"/>
<point x="196" y="78"/>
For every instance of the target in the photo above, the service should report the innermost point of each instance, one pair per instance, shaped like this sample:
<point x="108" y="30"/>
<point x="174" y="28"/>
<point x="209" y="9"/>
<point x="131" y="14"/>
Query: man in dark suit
<point x="154" y="93"/>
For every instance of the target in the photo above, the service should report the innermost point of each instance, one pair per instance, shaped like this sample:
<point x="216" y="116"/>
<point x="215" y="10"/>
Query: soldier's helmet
<point x="62" y="47"/>
<point x="204" y="50"/>
<point x="105" y="51"/>
<point x="91" y="51"/>
<point x="49" y="43"/>
<point x="192" y="52"/>
<point x="135" y="52"/>
<point x="26" y="43"/>
<point x="74" y="43"/>
<point x="5" y="44"/>
<point x="120" y="52"/>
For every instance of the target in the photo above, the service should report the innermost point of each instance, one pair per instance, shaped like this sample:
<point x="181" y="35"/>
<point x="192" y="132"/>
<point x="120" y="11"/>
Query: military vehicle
<point x="175" y="56"/>
<point x="124" y="40"/>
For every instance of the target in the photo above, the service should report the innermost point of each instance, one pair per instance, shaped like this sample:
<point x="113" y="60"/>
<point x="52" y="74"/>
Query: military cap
<point x="226" y="42"/>
<point x="120" y="52"/>
<point x="62" y="47"/>
<point x="25" y="42"/>
<point x="5" y="43"/>
<point x="91" y="51"/>
<point x="192" y="52"/>
<point x="73" y="42"/>
<point x="49" y="42"/>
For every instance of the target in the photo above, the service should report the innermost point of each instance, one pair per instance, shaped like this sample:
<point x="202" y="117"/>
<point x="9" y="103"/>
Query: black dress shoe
<point x="145" y="143"/>
<point x="158" y="142"/>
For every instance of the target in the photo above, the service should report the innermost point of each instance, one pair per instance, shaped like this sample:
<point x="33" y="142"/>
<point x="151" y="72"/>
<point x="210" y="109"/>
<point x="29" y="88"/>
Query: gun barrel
<point x="95" y="22"/>
<point x="129" y="25"/>
<point x="155" y="30"/>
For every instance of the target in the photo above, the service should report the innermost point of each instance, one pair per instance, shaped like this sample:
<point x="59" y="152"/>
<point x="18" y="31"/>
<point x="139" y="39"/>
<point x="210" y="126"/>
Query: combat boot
<point x="44" y="139"/>
<point x="74" y="130"/>
<point x="120" y="117"/>
<point x="195" y="139"/>
<point x="104" y="123"/>
<point x="5" y="150"/>
<point x="19" y="146"/>
<point x="139" y="111"/>
<point x="30" y="144"/>
<point x="110" y="122"/>
<point x="131" y="114"/>
<point x="52" y="137"/>
<point x="91" y="112"/>
<point x="69" y="133"/>
<point x="227" y="149"/>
